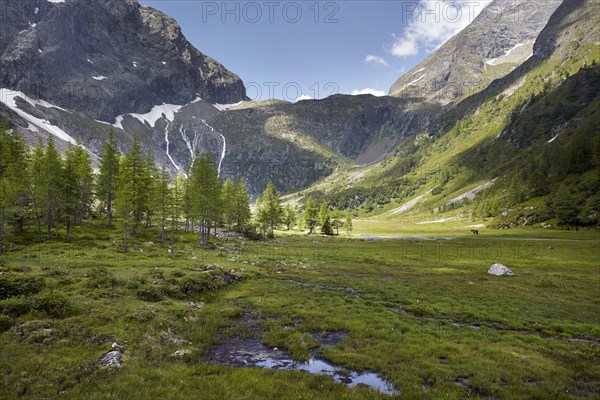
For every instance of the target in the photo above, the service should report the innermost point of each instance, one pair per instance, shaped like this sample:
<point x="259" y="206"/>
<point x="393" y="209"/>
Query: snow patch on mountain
<point x="225" y="107"/>
<point x="167" y="111"/>
<point x="8" y="97"/>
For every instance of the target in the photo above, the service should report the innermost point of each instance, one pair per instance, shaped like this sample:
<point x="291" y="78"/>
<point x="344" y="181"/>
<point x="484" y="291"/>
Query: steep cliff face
<point x="500" y="39"/>
<point x="105" y="58"/>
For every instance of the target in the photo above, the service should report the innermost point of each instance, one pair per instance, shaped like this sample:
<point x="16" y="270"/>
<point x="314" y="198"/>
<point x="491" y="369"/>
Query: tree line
<point x="129" y="193"/>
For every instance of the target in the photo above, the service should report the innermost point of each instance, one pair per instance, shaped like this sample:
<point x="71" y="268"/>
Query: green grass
<point x="406" y="305"/>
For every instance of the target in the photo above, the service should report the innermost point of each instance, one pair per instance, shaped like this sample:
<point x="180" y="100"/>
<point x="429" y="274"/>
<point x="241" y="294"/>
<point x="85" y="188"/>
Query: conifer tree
<point x="205" y="195"/>
<point x="132" y="192"/>
<point x="76" y="187"/>
<point x="336" y="221"/>
<point x="52" y="173"/>
<point x="165" y="199"/>
<point x="325" y="219"/>
<point x="37" y="182"/>
<point x="310" y="216"/>
<point x="242" y="213"/>
<point x="272" y="207"/>
<point x="13" y="176"/>
<point x="228" y="199"/>
<point x="177" y="200"/>
<point x="106" y="186"/>
<point x="348" y="226"/>
<point x="289" y="217"/>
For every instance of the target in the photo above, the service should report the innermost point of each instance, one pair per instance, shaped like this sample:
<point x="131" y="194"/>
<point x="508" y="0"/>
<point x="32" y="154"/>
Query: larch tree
<point x="289" y="217"/>
<point x="132" y="187"/>
<point x="242" y="213"/>
<point x="76" y="184"/>
<point x="348" y="226"/>
<point x="164" y="201"/>
<point x="151" y="179"/>
<point x="36" y="183"/>
<point x="272" y="207"/>
<point x="205" y="195"/>
<point x="311" y="215"/>
<point x="228" y="199"/>
<point x="325" y="219"/>
<point x="336" y="221"/>
<point x="13" y="176"/>
<point x="106" y="184"/>
<point x="52" y="173"/>
<point x="177" y="201"/>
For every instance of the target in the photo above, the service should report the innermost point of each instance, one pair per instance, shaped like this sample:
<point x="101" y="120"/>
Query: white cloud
<point x="376" y="60"/>
<point x="303" y="97"/>
<point x="431" y="23"/>
<point x="374" y="92"/>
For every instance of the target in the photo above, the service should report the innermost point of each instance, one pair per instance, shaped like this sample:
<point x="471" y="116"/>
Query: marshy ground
<point x="420" y="314"/>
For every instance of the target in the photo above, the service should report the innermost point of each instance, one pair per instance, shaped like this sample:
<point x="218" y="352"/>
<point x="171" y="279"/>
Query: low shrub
<point x="53" y="304"/>
<point x="151" y="293"/>
<point x="5" y="323"/>
<point x="17" y="285"/>
<point x="14" y="306"/>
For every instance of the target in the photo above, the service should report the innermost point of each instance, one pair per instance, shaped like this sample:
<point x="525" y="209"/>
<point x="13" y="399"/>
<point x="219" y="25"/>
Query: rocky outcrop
<point x="105" y="58"/>
<point x="111" y="359"/>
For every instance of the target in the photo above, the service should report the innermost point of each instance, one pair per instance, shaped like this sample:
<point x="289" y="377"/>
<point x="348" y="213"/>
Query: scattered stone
<point x="181" y="353"/>
<point x="463" y="381"/>
<point x="427" y="383"/>
<point x="179" y="341"/>
<point x="115" y="345"/>
<point x="500" y="270"/>
<point x="193" y="304"/>
<point x="111" y="359"/>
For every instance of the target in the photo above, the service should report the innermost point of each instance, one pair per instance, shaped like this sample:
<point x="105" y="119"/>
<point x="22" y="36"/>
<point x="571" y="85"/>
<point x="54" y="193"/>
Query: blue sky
<point x="313" y="49"/>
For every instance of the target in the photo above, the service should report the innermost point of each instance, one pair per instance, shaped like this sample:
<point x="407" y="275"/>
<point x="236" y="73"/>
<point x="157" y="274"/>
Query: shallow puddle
<point x="251" y="352"/>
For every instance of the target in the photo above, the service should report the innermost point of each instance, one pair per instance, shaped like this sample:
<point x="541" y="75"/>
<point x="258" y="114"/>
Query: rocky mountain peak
<point x="106" y="58"/>
<point x="500" y="39"/>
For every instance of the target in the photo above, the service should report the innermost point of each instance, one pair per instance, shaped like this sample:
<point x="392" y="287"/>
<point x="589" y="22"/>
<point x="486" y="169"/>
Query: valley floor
<point x="421" y="313"/>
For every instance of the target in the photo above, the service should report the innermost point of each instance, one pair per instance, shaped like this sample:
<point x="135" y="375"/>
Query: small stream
<point x="251" y="352"/>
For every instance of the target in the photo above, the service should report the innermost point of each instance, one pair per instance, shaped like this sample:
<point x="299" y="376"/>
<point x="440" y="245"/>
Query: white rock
<point x="500" y="270"/>
<point x="181" y="353"/>
<point x="111" y="359"/>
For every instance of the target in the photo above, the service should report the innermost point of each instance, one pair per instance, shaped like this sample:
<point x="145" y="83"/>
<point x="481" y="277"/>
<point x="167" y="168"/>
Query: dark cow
<point x="475" y="232"/>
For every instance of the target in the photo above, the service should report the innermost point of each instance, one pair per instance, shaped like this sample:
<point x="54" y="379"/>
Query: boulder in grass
<point x="111" y="359"/>
<point x="500" y="270"/>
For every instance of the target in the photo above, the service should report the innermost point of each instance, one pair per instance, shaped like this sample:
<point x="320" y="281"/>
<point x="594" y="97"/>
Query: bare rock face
<point x="105" y="58"/>
<point x="500" y="270"/>
<point x="500" y="39"/>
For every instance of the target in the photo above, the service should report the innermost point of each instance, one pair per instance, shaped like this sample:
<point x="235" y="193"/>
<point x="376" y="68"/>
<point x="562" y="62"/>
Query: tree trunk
<point x="39" y="226"/>
<point x="162" y="234"/>
<point x="109" y="210"/>
<point x="68" y="230"/>
<point x="173" y="241"/>
<point x="2" y="231"/>
<point x="49" y="222"/>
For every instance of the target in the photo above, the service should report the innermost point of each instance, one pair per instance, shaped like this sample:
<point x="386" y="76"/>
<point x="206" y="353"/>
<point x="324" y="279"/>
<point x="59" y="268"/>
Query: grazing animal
<point x="475" y="232"/>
